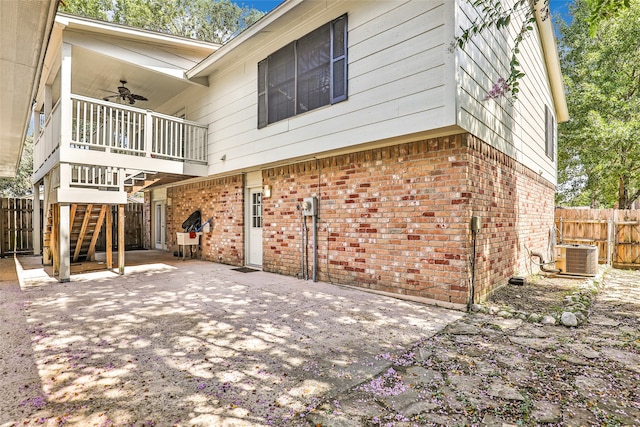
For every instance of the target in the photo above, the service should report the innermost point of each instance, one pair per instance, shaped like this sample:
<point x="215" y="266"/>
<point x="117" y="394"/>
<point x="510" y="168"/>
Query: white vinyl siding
<point x="400" y="82"/>
<point x="516" y="129"/>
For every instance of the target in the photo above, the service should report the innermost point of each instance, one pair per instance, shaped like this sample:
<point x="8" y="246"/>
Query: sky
<point x="261" y="5"/>
<point x="559" y="8"/>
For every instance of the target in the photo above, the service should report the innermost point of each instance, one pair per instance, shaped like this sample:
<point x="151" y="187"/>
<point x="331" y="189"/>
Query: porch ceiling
<point x="97" y="75"/>
<point x="25" y="27"/>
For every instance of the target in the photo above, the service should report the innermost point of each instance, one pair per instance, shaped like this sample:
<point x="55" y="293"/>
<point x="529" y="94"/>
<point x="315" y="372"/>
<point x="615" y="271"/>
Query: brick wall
<point x="396" y="219"/>
<point x="517" y="210"/>
<point x="392" y="219"/>
<point x="147" y="220"/>
<point x="220" y="199"/>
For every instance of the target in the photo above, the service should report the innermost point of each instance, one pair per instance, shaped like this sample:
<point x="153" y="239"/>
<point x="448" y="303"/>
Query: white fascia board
<point x="84" y="195"/>
<point x="110" y="28"/>
<point x="50" y="61"/>
<point x="116" y="160"/>
<point x="552" y="60"/>
<point x="203" y="69"/>
<point x="52" y="161"/>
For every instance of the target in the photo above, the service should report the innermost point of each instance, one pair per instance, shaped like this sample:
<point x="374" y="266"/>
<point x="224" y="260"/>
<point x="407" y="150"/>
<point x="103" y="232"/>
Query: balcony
<point x="102" y="143"/>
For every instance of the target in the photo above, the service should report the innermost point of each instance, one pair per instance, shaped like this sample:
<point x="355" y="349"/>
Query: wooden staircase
<point x="85" y="223"/>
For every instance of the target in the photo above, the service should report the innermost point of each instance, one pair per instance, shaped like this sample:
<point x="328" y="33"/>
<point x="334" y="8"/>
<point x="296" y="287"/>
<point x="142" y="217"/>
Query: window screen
<point x="339" y="59"/>
<point x="281" y="79"/>
<point x="309" y="73"/>
<point x="550" y="133"/>
<point x="313" y="58"/>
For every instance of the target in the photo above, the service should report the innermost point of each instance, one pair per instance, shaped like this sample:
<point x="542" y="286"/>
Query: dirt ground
<point x="496" y="370"/>
<point x="540" y="294"/>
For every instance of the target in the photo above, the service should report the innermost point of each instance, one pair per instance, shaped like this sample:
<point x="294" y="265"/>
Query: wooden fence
<point x="16" y="226"/>
<point x="616" y="232"/>
<point x="133" y="230"/>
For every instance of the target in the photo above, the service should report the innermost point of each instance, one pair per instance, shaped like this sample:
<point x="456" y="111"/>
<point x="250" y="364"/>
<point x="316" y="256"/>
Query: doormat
<point x="244" y="269"/>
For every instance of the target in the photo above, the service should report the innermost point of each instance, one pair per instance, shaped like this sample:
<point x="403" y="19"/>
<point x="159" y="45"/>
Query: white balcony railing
<point x="102" y="177"/>
<point x="48" y="140"/>
<point x="114" y="128"/>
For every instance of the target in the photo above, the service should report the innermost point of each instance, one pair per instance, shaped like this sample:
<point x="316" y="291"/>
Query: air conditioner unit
<point x="579" y="260"/>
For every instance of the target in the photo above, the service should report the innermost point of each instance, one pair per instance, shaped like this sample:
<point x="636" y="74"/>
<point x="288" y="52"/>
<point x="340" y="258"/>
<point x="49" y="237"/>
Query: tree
<point x="599" y="158"/>
<point x="21" y="184"/>
<point x="498" y="14"/>
<point x="210" y="20"/>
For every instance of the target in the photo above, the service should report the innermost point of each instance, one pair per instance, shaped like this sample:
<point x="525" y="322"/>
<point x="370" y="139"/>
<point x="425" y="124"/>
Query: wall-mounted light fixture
<point x="168" y="201"/>
<point x="266" y="191"/>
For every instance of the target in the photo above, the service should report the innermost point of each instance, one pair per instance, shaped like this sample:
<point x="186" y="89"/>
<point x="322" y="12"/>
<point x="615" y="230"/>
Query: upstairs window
<point x="309" y="73"/>
<point x="550" y="133"/>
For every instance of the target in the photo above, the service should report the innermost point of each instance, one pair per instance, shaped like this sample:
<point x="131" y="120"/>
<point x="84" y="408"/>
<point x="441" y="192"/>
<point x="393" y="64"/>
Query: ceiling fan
<point x="125" y="94"/>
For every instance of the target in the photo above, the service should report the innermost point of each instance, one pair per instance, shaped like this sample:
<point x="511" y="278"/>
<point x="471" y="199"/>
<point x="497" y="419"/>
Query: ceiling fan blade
<point x="106" y="98"/>
<point x="138" y="97"/>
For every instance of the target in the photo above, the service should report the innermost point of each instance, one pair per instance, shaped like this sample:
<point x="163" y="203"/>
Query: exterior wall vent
<point x="579" y="260"/>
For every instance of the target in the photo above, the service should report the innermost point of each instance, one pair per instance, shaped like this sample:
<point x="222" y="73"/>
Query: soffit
<point x="24" y="31"/>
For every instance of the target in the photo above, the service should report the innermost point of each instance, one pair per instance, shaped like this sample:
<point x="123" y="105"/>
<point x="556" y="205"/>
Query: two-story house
<point x="342" y="141"/>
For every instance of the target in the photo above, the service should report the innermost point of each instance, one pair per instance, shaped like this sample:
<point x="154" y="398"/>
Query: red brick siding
<point x="221" y="199"/>
<point x="147" y="220"/>
<point x="396" y="219"/>
<point x="393" y="219"/>
<point x="517" y="208"/>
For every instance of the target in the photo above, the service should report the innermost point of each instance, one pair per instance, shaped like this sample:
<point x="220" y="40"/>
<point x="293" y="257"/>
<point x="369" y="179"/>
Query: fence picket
<point x="616" y="233"/>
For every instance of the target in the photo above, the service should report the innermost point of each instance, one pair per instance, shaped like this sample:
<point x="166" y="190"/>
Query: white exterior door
<point x="254" y="225"/>
<point x="160" y="226"/>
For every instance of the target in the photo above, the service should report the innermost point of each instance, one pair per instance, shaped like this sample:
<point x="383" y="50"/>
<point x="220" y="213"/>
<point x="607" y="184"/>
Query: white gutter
<point x="552" y="60"/>
<point x="201" y="70"/>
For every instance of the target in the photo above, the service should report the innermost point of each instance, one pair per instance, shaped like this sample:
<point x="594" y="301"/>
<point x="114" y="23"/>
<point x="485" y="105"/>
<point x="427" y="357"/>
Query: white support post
<point x="35" y="115"/>
<point x="37" y="232"/>
<point x="122" y="175"/>
<point x="66" y="104"/>
<point x="64" y="243"/>
<point x="148" y="133"/>
<point x="65" y="176"/>
<point x="48" y="101"/>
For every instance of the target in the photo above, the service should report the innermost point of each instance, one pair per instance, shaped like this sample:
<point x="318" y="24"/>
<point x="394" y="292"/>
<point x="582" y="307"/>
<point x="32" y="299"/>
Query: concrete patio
<point x="190" y="343"/>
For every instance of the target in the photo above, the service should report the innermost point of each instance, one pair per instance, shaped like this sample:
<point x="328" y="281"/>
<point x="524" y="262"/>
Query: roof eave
<point x="40" y="51"/>
<point x="204" y="68"/>
<point x="552" y="61"/>
<point x="89" y="24"/>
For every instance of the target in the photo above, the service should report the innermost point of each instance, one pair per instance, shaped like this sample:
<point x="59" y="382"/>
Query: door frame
<point x="252" y="185"/>
<point x="161" y="243"/>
